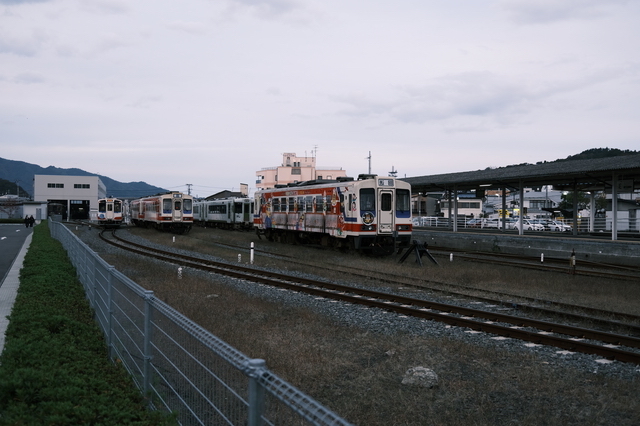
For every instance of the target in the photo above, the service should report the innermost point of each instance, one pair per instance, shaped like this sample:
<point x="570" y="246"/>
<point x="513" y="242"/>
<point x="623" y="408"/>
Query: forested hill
<point x="594" y="153"/>
<point x="22" y="173"/>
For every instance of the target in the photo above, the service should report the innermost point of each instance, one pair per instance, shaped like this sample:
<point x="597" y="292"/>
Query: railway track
<point x="550" y="264"/>
<point x="597" y="317"/>
<point x="608" y="345"/>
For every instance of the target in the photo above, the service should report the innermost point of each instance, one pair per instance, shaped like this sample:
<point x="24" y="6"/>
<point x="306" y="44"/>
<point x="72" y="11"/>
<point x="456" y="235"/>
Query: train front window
<point x="367" y="199"/>
<point x="385" y="202"/>
<point x="403" y="200"/>
<point x="117" y="206"/>
<point x="177" y="205"/>
<point x="102" y="206"/>
<point x="188" y="205"/>
<point x="166" y="206"/>
<point x="109" y="207"/>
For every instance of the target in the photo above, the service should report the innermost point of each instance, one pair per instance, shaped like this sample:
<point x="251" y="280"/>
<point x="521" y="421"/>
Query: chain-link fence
<point x="179" y="366"/>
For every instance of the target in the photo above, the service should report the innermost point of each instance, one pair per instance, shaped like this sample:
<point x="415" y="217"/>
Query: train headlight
<point x="403" y="228"/>
<point x="367" y="227"/>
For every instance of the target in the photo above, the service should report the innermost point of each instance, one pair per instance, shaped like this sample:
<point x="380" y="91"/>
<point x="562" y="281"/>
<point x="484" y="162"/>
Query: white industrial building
<point x="70" y="197"/>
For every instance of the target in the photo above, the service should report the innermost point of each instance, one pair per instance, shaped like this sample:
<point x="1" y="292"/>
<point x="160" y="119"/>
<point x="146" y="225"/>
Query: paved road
<point x="12" y="238"/>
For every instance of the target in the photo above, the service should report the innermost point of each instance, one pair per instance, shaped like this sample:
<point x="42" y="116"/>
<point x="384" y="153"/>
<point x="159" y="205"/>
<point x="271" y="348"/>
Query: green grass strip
<point x="54" y="369"/>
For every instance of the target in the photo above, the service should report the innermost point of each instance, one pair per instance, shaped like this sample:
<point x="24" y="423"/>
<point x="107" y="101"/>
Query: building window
<point x="55" y="185"/>
<point x="81" y="186"/>
<point x="296" y="171"/>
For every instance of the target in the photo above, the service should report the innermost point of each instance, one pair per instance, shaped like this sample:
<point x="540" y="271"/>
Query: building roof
<point x="583" y="175"/>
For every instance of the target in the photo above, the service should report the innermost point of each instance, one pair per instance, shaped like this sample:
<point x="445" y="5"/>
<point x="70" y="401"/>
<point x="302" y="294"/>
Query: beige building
<point x="295" y="169"/>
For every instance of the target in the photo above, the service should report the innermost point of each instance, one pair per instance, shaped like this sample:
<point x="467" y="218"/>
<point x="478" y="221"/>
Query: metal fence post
<point x="148" y="310"/>
<point x="256" y="392"/>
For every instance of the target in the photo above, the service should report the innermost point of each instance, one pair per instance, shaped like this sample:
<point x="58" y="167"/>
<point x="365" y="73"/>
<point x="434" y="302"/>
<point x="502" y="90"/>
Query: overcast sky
<point x="209" y="92"/>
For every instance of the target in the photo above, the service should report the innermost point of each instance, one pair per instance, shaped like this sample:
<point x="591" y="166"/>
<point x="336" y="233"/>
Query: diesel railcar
<point x="369" y="214"/>
<point x="227" y="213"/>
<point x="110" y="212"/>
<point x="172" y="211"/>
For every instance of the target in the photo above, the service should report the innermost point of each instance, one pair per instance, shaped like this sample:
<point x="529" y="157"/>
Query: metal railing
<point x="179" y="366"/>
<point x="584" y="225"/>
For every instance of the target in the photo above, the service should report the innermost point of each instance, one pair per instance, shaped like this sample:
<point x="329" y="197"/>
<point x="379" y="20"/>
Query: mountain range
<point x="23" y="173"/>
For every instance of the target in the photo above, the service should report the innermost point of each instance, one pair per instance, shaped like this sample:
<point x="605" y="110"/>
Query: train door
<point x="247" y="212"/>
<point x="385" y="211"/>
<point x="177" y="209"/>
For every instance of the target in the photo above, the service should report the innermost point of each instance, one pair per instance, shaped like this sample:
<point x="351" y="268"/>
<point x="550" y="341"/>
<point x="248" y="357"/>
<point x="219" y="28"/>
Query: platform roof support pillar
<point x="592" y="211"/>
<point x="521" y="205"/>
<point x="614" y="206"/>
<point x="455" y="208"/>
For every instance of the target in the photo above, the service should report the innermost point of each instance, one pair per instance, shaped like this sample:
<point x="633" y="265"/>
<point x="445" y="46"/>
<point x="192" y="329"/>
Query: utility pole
<point x="189" y="185"/>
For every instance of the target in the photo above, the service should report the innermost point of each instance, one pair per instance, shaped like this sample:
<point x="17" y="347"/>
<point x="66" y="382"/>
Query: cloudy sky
<point x="209" y="92"/>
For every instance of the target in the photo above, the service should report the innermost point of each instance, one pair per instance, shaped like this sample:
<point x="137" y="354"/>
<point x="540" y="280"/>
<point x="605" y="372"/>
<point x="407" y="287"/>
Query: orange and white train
<point x="110" y="212"/>
<point x="369" y="214"/>
<point x="172" y="211"/>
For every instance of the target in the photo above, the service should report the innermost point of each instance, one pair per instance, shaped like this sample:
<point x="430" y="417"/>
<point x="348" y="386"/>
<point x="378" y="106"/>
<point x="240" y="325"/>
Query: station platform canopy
<point x="613" y="175"/>
<point x="581" y="175"/>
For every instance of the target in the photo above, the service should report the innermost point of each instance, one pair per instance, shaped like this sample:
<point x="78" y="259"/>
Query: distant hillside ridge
<point x="11" y="188"/>
<point x="23" y="173"/>
<point x="594" y="153"/>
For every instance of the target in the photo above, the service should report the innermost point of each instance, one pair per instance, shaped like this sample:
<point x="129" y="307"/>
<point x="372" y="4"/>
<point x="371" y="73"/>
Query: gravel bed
<point x="378" y="321"/>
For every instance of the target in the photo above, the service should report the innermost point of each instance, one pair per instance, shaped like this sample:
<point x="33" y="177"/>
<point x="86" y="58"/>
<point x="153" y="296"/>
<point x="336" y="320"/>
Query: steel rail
<point x="417" y="307"/>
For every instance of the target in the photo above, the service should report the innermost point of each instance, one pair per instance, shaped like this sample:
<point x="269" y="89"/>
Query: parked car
<point x="528" y="225"/>
<point x="509" y="222"/>
<point x="475" y="223"/>
<point x="554" y="225"/>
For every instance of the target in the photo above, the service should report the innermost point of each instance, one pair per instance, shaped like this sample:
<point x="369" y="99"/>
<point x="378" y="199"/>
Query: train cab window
<point x="308" y="202"/>
<point x="276" y="204"/>
<point x="367" y="199"/>
<point x="188" y="205"/>
<point x="385" y="202"/>
<point x="166" y="205"/>
<point x="403" y="200"/>
<point x="109" y="207"/>
<point x="117" y="206"/>
<point x="177" y="205"/>
<point x="102" y="206"/>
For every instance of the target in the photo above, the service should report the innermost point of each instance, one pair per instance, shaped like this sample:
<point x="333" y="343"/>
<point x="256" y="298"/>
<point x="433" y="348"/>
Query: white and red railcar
<point x="172" y="211"/>
<point x="370" y="214"/>
<point x="110" y="212"/>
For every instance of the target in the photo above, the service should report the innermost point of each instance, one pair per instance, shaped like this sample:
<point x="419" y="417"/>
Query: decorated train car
<point x="369" y="214"/>
<point x="228" y="213"/>
<point x="172" y="211"/>
<point x="110" y="212"/>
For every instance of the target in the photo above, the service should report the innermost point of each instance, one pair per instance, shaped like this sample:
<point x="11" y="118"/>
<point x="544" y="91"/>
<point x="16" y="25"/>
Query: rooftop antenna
<point x="393" y="172"/>
<point x="369" y="158"/>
